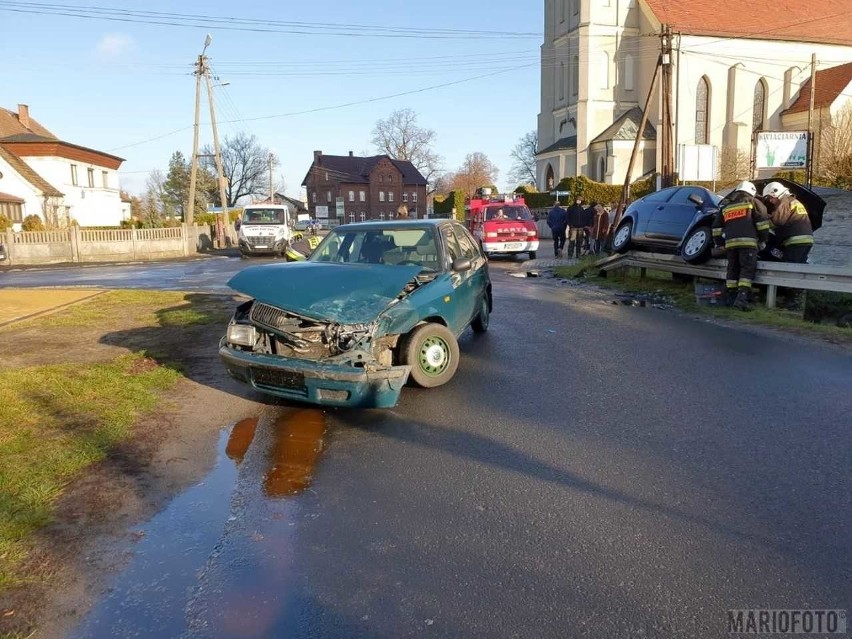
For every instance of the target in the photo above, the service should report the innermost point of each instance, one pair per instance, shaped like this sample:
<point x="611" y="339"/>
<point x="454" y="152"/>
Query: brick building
<point x="365" y="188"/>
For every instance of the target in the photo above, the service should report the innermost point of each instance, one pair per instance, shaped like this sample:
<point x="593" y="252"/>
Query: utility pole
<point x="625" y="191"/>
<point x="200" y="69"/>
<point x="271" y="194"/>
<point x="221" y="219"/>
<point x="811" y="141"/>
<point x="667" y="151"/>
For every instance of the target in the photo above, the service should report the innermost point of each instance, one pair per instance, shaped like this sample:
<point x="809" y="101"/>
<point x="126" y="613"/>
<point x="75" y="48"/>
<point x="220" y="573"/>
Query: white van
<point x="264" y="229"/>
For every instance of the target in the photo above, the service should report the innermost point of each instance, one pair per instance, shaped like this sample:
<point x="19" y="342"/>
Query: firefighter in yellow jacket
<point x="742" y="227"/>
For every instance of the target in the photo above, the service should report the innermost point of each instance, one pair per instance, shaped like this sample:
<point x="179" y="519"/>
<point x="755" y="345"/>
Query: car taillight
<point x="532" y="233"/>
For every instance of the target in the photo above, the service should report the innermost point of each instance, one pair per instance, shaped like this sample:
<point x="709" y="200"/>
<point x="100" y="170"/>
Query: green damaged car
<point x="378" y="304"/>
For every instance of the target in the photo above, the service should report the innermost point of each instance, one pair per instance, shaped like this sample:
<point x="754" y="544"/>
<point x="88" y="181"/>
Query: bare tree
<point x="523" y="158"/>
<point x="476" y="171"/>
<point x="245" y="163"/>
<point x="399" y="137"/>
<point x="834" y="152"/>
<point x="734" y="165"/>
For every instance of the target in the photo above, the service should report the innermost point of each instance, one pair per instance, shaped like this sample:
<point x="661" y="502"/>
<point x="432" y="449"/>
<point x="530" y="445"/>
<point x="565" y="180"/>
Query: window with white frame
<point x="351" y="196"/>
<point x="363" y="216"/>
<point x="415" y="196"/>
<point x="405" y="196"/>
<point x="382" y="215"/>
<point x="91" y="175"/>
<point x="363" y="196"/>
<point x="381" y="196"/>
<point x="74" y="174"/>
<point x="328" y="196"/>
<point x="105" y="176"/>
<point x="390" y="196"/>
<point x="314" y="197"/>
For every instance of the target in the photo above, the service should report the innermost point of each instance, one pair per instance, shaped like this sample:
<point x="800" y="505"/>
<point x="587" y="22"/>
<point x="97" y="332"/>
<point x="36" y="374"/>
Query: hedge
<point x="453" y="200"/>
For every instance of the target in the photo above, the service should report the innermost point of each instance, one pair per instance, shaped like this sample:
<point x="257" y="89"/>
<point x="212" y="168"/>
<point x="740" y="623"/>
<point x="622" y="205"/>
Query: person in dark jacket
<point x="742" y="227"/>
<point x="575" y="227"/>
<point x="557" y="220"/>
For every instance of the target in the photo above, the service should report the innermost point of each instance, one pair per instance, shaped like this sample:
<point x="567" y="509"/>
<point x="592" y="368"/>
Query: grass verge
<point x="55" y="421"/>
<point x="682" y="295"/>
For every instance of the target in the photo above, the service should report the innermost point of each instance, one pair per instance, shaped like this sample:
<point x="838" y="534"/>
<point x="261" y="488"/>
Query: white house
<point x="737" y="67"/>
<point x="56" y="180"/>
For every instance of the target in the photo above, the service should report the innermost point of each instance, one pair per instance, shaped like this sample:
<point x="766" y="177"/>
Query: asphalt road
<point x="593" y="470"/>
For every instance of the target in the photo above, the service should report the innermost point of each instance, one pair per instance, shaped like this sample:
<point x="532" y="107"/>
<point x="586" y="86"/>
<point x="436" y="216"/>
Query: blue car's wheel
<point x="433" y="354"/>
<point x="621" y="239"/>
<point x="697" y="245"/>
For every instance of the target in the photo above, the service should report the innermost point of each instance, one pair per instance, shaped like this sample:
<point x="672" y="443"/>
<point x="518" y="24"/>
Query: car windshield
<point x="514" y="212"/>
<point x="264" y="216"/>
<point x="409" y="246"/>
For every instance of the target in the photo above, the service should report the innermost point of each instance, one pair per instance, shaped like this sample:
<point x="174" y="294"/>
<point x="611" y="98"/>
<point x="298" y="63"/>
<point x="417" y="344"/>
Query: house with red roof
<point x="737" y="68"/>
<point x="61" y="182"/>
<point x="351" y="188"/>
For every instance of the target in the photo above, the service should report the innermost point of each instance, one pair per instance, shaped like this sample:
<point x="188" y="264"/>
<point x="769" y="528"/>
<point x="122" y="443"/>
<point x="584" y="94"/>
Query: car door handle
<point x="660" y="208"/>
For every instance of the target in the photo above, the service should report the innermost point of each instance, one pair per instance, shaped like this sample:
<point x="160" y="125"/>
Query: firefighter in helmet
<point x="794" y="234"/>
<point x="742" y="228"/>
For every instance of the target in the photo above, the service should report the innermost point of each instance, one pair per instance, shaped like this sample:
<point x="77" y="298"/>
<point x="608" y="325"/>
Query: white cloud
<point x="114" y="44"/>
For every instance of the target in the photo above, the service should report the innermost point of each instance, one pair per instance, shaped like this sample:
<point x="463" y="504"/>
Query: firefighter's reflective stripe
<point x="741" y="242"/>
<point x="730" y="283"/>
<point x="744" y="282"/>
<point x="763" y="226"/>
<point x="718" y="232"/>
<point x="313" y="242"/>
<point x="799" y="208"/>
<point x="798" y="240"/>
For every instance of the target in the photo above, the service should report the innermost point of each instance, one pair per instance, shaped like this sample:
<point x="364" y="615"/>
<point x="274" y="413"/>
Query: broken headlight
<point x="242" y="334"/>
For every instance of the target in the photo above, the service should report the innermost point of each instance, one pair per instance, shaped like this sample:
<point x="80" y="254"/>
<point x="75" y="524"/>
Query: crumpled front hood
<point x="344" y="293"/>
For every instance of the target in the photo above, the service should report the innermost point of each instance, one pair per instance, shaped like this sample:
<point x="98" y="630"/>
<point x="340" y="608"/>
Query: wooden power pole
<point x="666" y="137"/>
<point x="189" y="214"/>
<point x="625" y="191"/>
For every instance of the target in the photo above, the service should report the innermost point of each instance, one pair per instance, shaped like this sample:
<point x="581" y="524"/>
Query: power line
<point x="233" y="23"/>
<point x="337" y="106"/>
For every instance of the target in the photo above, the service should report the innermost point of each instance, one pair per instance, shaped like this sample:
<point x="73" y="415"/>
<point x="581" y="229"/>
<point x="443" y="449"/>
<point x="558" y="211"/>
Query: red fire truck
<point x="502" y="223"/>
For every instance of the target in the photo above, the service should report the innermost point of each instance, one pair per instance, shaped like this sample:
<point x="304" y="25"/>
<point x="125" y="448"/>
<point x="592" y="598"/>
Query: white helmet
<point x="747" y="187"/>
<point x="775" y="189"/>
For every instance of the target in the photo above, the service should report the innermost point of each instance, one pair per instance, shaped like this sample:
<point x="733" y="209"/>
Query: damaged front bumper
<point x="315" y="382"/>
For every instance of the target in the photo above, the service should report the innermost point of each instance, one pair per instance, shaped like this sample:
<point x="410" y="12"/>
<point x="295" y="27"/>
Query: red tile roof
<point x="8" y="198"/>
<point x="830" y="83"/>
<point x="824" y="21"/>
<point x="10" y="125"/>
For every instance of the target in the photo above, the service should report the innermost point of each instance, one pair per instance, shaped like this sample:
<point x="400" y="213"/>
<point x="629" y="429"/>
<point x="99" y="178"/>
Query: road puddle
<point x="240" y="439"/>
<point x="296" y="446"/>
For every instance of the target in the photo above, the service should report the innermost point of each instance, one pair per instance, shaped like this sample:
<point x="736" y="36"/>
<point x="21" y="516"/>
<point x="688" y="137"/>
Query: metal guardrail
<point x="812" y="277"/>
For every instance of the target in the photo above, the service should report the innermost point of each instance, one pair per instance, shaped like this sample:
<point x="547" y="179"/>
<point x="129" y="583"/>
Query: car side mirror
<point x="462" y="264"/>
<point x="696" y="200"/>
<point x="237" y="224"/>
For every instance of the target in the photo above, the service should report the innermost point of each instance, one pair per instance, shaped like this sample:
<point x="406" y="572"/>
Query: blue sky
<point x="110" y="85"/>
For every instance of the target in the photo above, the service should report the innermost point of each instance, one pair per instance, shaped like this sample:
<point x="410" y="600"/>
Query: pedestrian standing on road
<point x="742" y="228"/>
<point x="794" y="234"/>
<point x="600" y="229"/>
<point x="557" y="220"/>
<point x="575" y="227"/>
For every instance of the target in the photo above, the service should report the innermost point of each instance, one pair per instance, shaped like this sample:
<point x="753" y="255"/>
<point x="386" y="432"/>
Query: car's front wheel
<point x="433" y="354"/>
<point x="697" y="245"/>
<point x="621" y="239"/>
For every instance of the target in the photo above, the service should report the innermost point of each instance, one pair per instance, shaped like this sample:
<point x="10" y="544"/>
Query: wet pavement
<point x="595" y="469"/>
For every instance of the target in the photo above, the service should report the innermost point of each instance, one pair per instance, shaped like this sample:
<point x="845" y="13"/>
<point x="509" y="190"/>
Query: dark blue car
<point x="659" y="221"/>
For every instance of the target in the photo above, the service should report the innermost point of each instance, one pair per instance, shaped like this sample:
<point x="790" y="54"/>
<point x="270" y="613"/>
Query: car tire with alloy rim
<point x="433" y="354"/>
<point x="621" y="238"/>
<point x="480" y="322"/>
<point x="697" y="245"/>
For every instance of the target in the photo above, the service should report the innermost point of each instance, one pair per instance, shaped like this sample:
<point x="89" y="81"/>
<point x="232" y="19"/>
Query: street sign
<point x="698" y="162"/>
<point x="322" y="212"/>
<point x="339" y="207"/>
<point x="782" y="150"/>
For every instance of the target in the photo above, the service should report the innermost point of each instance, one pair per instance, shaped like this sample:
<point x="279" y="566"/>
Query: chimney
<point x="350" y="154"/>
<point x="24" y="115"/>
<point x="317" y="156"/>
